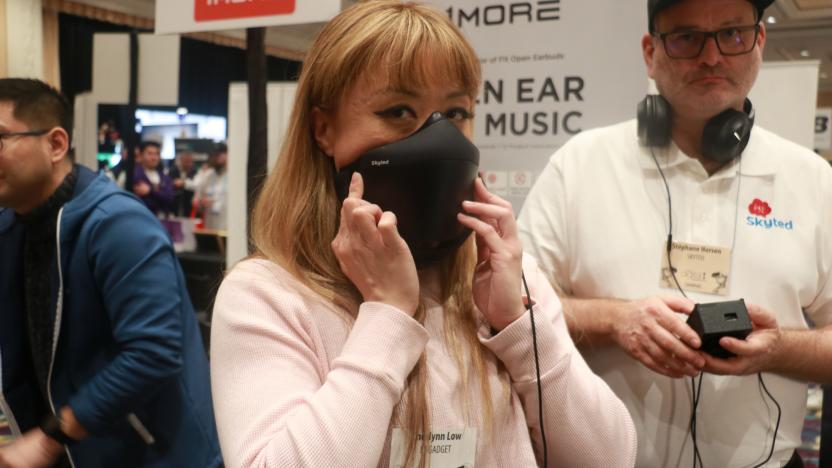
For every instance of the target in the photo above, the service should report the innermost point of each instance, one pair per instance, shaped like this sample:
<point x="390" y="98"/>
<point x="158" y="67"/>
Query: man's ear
<point x="761" y="37"/>
<point x="324" y="130"/>
<point x="648" y="49"/>
<point x="57" y="141"/>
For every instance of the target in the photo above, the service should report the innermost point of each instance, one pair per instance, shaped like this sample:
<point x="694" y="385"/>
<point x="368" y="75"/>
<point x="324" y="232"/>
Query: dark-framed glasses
<point x="6" y="135"/>
<point x="736" y="40"/>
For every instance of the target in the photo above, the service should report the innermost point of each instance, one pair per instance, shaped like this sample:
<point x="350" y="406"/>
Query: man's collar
<point x="755" y="160"/>
<point x="666" y="156"/>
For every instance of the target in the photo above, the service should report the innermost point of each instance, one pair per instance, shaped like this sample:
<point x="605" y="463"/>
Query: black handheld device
<point x="714" y="320"/>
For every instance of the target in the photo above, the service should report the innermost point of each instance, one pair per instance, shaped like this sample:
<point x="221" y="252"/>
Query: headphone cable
<point x="696" y="391"/>
<point x="669" y="244"/>
<point x="777" y="426"/>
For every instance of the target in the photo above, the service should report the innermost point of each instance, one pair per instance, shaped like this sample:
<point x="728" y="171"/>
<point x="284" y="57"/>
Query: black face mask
<point x="423" y="179"/>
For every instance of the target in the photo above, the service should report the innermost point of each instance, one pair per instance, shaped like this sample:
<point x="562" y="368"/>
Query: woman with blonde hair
<point x="342" y="343"/>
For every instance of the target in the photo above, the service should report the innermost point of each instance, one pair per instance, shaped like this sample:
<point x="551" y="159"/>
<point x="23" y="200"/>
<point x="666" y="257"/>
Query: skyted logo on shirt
<point x="759" y="218"/>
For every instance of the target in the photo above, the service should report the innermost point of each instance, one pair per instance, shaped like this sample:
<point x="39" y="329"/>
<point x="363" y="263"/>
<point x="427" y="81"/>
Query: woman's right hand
<point x="373" y="255"/>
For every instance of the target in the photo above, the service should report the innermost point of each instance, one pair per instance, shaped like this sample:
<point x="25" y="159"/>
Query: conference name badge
<point x="698" y="267"/>
<point x="448" y="447"/>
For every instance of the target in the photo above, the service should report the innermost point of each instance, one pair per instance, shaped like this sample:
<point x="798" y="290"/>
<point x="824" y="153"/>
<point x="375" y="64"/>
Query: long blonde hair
<point x="297" y="213"/>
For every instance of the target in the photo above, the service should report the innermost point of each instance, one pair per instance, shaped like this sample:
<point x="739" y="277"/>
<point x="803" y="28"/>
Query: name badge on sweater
<point x="449" y="448"/>
<point x="700" y="268"/>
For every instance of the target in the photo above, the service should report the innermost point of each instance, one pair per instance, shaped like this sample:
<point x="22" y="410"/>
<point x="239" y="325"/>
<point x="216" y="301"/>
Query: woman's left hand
<point x="497" y="282"/>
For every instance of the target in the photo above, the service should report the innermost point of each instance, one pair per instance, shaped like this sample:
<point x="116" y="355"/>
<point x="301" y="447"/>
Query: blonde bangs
<point x="409" y="45"/>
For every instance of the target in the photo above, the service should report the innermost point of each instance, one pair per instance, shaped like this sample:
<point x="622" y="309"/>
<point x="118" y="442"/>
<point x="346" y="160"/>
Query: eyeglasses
<point x="6" y="135"/>
<point x="736" y="40"/>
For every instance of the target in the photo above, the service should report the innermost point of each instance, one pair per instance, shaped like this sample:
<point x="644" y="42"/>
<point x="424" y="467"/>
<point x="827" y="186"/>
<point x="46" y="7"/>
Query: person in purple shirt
<point x="150" y="184"/>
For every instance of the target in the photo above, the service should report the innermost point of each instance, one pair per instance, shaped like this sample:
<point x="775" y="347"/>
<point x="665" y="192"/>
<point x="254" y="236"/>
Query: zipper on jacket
<point x="140" y="429"/>
<point x="59" y="309"/>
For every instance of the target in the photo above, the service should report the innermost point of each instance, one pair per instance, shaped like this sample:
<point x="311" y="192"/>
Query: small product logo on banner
<point x="520" y="179"/>
<point x="496" y="182"/>
<point x="210" y="10"/>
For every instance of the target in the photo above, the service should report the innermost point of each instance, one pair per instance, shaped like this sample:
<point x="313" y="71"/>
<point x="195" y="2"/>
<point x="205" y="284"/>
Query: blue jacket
<point x="128" y="358"/>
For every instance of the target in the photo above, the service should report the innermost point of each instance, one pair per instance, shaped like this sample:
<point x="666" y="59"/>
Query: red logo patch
<point x="759" y="208"/>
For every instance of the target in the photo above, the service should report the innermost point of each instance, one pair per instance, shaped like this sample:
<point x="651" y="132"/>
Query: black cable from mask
<point x="537" y="373"/>
<point x="528" y="306"/>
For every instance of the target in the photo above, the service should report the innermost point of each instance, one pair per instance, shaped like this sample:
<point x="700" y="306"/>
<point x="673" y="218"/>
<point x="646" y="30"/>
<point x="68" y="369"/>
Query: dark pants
<point x="826" y="428"/>
<point x="795" y="462"/>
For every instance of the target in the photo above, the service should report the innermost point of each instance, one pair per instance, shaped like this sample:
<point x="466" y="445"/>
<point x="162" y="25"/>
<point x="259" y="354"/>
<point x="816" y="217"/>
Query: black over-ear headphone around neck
<point x="723" y="139"/>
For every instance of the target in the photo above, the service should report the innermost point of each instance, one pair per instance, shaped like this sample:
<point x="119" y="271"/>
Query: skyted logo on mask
<point x="759" y="218"/>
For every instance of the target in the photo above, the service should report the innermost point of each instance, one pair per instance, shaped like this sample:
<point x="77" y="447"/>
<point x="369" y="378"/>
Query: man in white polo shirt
<point x="750" y="216"/>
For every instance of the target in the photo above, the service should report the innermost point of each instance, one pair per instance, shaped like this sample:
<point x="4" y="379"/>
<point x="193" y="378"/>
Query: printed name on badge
<point x="448" y="448"/>
<point x="700" y="268"/>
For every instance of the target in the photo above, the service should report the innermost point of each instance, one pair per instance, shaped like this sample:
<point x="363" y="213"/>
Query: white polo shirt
<point x="597" y="222"/>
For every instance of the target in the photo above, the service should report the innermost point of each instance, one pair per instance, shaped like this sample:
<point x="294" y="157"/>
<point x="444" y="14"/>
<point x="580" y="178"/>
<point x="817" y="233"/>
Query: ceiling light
<point x="182" y="110"/>
<point x="771" y="20"/>
<point x="804" y="53"/>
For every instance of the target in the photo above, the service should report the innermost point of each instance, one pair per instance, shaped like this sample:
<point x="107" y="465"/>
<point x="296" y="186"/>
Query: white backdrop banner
<point x="280" y="98"/>
<point x="551" y="68"/>
<point x="158" y="73"/>
<point x="176" y="16"/>
<point x="785" y="98"/>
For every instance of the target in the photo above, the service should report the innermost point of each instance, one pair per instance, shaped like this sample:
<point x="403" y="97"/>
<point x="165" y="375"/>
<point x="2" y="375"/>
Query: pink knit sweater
<point x="295" y="385"/>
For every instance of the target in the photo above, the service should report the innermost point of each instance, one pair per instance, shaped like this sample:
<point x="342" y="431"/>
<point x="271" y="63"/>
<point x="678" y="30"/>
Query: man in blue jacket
<point x="100" y="356"/>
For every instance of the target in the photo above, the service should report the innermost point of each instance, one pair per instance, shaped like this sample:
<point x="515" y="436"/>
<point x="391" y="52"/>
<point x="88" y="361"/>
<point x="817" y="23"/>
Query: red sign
<point x="210" y="10"/>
